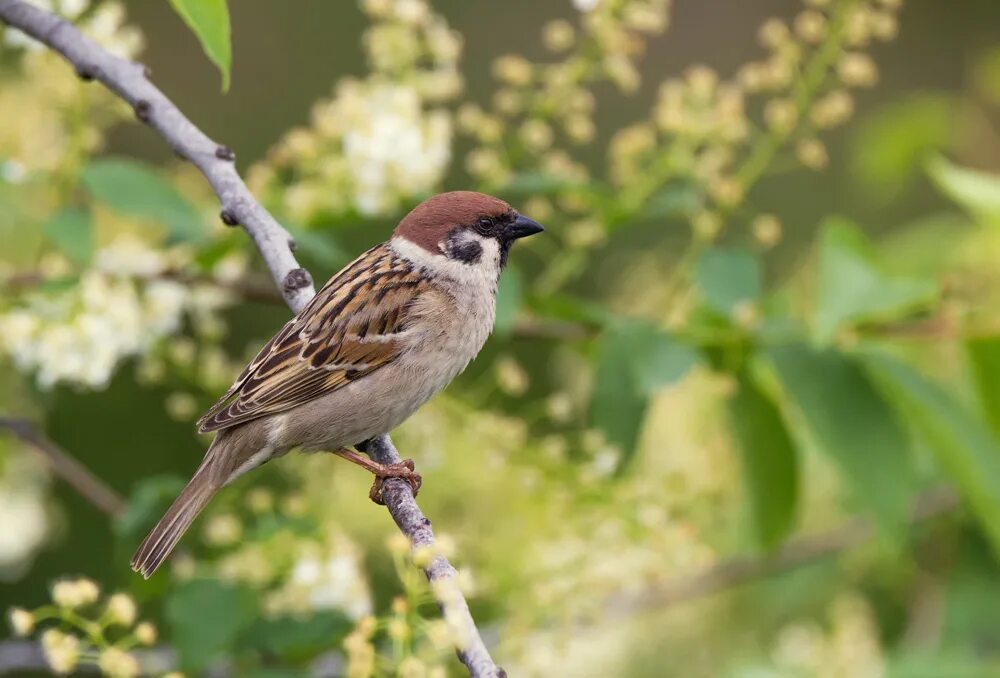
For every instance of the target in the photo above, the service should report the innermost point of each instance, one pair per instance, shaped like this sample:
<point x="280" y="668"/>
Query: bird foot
<point x="404" y="469"/>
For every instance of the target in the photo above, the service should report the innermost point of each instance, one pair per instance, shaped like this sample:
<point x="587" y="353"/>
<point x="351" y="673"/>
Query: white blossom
<point x="327" y="579"/>
<point x="80" y="335"/>
<point x="106" y="25"/>
<point x="23" y="490"/>
<point x="391" y="147"/>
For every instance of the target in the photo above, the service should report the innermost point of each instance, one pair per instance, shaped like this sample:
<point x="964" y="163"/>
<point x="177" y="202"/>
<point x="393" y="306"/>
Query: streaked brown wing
<point x="348" y="330"/>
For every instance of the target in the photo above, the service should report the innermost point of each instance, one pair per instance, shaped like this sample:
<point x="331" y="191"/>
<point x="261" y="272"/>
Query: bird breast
<point x="449" y="326"/>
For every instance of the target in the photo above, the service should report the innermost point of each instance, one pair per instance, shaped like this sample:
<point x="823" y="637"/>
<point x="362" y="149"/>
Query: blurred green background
<point x="695" y="367"/>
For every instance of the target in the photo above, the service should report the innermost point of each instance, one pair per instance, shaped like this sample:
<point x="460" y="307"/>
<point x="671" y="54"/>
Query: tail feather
<point x="164" y="537"/>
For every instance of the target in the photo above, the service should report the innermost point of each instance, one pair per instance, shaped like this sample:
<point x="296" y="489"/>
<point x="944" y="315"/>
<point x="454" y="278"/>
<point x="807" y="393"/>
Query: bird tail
<point x="162" y="539"/>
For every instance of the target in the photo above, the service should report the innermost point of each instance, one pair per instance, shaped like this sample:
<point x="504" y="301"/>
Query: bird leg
<point x="404" y="469"/>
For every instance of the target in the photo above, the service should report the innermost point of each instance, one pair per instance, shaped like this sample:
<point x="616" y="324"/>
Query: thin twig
<point x="76" y="475"/>
<point x="256" y="290"/>
<point x="398" y="497"/>
<point x="217" y="162"/>
<point x="796" y="553"/>
<point x="129" y="80"/>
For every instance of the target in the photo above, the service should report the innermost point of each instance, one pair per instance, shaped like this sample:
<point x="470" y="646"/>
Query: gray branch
<point x="217" y="162"/>
<point x="130" y="81"/>
<point x="67" y="467"/>
<point x="398" y="497"/>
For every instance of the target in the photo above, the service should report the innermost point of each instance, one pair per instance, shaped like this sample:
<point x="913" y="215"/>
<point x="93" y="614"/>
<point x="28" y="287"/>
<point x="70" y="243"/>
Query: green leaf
<point x="853" y="288"/>
<point x="986" y="75"/>
<point x="770" y="464"/>
<point x="941" y="661"/>
<point x="273" y="672"/>
<point x="634" y="359"/>
<point x="206" y="616"/>
<point x="961" y="441"/>
<point x="132" y="188"/>
<point x="294" y="638"/>
<point x="727" y="277"/>
<point x="976" y="192"/>
<point x="147" y="503"/>
<point x="662" y="361"/>
<point x="673" y="201"/>
<point x="509" y="296"/>
<point x="71" y="232"/>
<point x="984" y="361"/>
<point x="890" y="146"/>
<point x="320" y="246"/>
<point x="575" y="309"/>
<point x="837" y="410"/>
<point x="209" y="20"/>
<point x="538" y="183"/>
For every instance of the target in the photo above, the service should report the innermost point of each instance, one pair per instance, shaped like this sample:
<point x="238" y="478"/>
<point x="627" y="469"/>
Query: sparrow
<point x="386" y="333"/>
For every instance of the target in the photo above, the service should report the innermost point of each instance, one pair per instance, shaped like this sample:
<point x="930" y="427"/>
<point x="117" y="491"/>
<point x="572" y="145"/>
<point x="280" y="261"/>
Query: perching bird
<point x="382" y="336"/>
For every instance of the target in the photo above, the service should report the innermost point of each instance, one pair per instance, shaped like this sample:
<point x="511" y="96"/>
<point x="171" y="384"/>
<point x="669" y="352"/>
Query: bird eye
<point x="485" y="225"/>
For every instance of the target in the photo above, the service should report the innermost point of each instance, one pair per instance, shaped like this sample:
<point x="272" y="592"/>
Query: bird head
<point x="466" y="227"/>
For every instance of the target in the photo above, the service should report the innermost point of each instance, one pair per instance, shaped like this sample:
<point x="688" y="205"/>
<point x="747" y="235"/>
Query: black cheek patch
<point x="468" y="252"/>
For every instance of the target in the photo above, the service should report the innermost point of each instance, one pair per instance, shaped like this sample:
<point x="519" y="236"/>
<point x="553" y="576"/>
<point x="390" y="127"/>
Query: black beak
<point x="522" y="227"/>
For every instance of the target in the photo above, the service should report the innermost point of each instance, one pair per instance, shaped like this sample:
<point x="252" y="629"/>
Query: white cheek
<point x="483" y="273"/>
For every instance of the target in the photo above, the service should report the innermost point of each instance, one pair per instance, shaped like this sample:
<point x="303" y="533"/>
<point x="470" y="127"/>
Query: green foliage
<point x="206" y="617"/>
<point x="70" y="231"/>
<point x="891" y="146"/>
<point x="976" y="192"/>
<point x="770" y="462"/>
<point x="209" y="20"/>
<point x="987" y="75"/>
<point x="146" y="504"/>
<point x="962" y="443"/>
<point x="836" y="409"/>
<point x="509" y="297"/>
<point x="984" y="361"/>
<point x="634" y="359"/>
<point x="134" y="189"/>
<point x="319" y="246"/>
<point x="853" y="287"/>
<point x="727" y="278"/>
<point x="296" y="638"/>
<point x="658" y="258"/>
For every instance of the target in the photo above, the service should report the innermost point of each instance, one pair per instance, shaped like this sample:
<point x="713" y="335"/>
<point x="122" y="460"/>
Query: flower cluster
<point x="701" y="130"/>
<point x="401" y="642"/>
<point x="104" y="23"/>
<point x="23" y="511"/>
<point x="81" y="630"/>
<point x="50" y="128"/>
<point x="327" y="577"/>
<point x="537" y="102"/>
<point x="295" y="571"/>
<point x="849" y="646"/>
<point x="379" y="141"/>
<point x="120" y="308"/>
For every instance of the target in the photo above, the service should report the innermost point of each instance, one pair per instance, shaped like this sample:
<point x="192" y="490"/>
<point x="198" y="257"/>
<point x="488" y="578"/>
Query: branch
<point x="129" y="81"/>
<point x="89" y="486"/>
<point x="18" y="657"/>
<point x="257" y="290"/>
<point x="217" y="162"/>
<point x="796" y="553"/>
<point x="398" y="497"/>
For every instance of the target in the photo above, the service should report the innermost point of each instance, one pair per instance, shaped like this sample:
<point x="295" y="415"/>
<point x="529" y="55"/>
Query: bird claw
<point x="404" y="469"/>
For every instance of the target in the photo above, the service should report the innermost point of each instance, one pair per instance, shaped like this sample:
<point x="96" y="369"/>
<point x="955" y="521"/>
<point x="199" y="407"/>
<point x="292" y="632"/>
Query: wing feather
<point x="350" y="329"/>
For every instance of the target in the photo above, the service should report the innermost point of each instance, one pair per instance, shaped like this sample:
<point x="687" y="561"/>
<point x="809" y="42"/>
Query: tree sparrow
<point x="382" y="336"/>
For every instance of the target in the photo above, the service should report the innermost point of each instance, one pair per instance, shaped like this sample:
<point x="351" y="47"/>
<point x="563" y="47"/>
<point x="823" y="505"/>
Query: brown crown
<point x="430" y="221"/>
